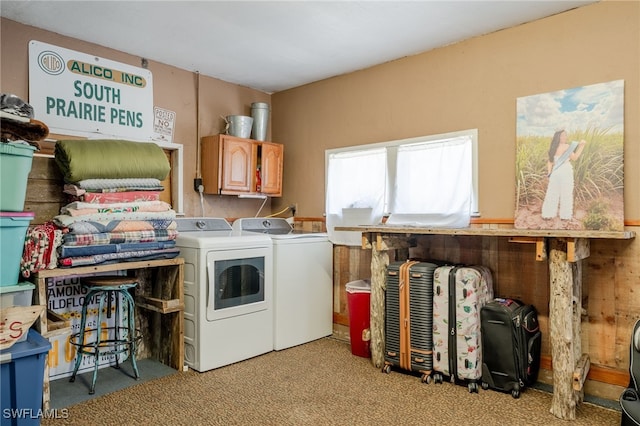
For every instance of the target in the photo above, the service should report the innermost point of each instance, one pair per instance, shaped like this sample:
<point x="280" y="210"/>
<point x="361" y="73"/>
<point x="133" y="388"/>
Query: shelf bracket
<point x="541" y="245"/>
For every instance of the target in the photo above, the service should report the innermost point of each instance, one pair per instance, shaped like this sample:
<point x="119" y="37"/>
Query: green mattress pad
<point x="110" y="159"/>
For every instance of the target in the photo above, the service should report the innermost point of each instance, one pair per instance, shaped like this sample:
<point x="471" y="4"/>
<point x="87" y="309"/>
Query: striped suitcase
<point x="459" y="294"/>
<point x="408" y="324"/>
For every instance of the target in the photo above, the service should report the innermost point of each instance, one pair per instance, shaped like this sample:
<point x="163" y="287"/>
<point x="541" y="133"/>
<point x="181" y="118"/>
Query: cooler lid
<point x="18" y="287"/>
<point x="20" y="148"/>
<point x="359" y="286"/>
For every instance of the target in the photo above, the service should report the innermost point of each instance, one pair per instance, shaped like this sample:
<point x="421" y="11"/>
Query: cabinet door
<point x="271" y="167"/>
<point x="238" y="157"/>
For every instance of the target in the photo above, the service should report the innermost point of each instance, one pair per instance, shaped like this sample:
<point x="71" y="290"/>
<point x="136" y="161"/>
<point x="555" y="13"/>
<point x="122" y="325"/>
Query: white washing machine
<point x="228" y="293"/>
<point x="302" y="280"/>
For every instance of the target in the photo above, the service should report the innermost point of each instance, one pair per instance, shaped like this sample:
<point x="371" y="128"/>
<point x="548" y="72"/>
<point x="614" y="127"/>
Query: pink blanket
<point x="79" y="208"/>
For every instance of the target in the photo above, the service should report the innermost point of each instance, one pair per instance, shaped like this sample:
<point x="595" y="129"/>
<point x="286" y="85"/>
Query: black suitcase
<point x="409" y="316"/>
<point x="630" y="398"/>
<point x="511" y="340"/>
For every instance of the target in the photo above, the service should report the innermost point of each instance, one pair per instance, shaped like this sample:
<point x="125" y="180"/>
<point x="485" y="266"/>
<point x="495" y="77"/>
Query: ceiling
<point x="276" y="45"/>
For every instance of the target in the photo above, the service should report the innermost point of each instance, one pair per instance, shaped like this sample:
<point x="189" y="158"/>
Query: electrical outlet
<point x="294" y="208"/>
<point x="196" y="184"/>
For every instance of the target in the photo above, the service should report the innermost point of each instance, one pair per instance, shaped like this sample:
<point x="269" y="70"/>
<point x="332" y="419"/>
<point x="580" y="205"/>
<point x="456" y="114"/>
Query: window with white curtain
<point x="425" y="181"/>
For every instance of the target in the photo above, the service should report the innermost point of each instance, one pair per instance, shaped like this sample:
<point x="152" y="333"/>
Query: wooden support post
<point x="379" y="264"/>
<point x="564" y="330"/>
<point x="380" y="245"/>
<point x="576" y="267"/>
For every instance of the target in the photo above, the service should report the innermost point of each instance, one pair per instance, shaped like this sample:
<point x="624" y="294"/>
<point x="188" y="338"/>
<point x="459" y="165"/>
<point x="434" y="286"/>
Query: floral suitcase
<point x="459" y="294"/>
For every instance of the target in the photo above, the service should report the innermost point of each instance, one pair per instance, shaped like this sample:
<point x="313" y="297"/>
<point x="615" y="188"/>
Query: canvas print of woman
<point x="569" y="159"/>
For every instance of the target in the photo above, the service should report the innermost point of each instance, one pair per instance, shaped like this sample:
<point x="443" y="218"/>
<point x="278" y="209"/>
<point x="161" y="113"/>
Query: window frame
<point x="392" y="149"/>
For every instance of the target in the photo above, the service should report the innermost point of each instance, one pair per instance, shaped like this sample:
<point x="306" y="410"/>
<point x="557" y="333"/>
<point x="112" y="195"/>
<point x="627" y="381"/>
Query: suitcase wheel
<point x="386" y="368"/>
<point x="473" y="387"/>
<point x="426" y="378"/>
<point x="515" y="392"/>
<point x="485" y="385"/>
<point x="437" y="378"/>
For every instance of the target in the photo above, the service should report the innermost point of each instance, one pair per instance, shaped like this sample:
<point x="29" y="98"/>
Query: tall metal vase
<point x="260" y="114"/>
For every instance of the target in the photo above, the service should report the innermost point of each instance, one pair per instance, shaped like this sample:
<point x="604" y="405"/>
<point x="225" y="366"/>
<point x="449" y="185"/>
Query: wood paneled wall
<point x="44" y="190"/>
<point x="611" y="277"/>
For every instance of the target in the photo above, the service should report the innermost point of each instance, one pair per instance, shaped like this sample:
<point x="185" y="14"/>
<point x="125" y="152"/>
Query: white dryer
<point x="302" y="277"/>
<point x="228" y="293"/>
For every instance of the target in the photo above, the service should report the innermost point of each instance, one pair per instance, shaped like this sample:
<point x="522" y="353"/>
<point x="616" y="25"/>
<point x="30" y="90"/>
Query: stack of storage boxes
<point x="15" y="165"/>
<point x="22" y="351"/>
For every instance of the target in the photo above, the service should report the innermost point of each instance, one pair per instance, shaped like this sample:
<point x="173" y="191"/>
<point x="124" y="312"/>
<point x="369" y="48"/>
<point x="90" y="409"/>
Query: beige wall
<point x="473" y="84"/>
<point x="174" y="89"/>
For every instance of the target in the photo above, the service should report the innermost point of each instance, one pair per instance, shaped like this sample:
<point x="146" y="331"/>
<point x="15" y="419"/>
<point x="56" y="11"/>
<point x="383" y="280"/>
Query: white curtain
<point x="433" y="185"/>
<point x="356" y="187"/>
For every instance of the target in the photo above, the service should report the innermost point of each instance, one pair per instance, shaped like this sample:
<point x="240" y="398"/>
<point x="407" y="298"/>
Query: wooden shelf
<point x="490" y="232"/>
<point x="160" y="292"/>
<point x="110" y="267"/>
<point x="56" y="325"/>
<point x="164" y="306"/>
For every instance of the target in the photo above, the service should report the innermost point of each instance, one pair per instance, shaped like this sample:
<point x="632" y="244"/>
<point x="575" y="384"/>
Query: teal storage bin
<point x="22" y="376"/>
<point x="15" y="165"/>
<point x="13" y="230"/>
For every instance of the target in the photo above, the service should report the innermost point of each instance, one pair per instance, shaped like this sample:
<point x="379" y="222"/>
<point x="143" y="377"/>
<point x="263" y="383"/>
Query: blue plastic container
<point x="13" y="230"/>
<point x="22" y="376"/>
<point x="15" y="165"/>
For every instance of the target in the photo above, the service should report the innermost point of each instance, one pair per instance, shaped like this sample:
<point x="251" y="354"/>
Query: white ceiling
<point x="276" y="45"/>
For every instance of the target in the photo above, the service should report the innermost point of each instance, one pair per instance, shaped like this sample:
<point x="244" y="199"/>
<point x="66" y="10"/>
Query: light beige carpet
<point x="319" y="383"/>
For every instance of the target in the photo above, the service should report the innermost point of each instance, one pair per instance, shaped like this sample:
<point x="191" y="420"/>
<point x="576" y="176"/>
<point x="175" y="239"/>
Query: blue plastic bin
<point x="13" y="231"/>
<point x="15" y="165"/>
<point x="22" y="376"/>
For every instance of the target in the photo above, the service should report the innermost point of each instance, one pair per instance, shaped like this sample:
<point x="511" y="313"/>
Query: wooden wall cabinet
<point x="229" y="165"/>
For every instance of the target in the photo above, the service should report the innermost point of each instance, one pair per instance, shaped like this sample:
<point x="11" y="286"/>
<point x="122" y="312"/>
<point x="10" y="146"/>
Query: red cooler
<point x="358" y="300"/>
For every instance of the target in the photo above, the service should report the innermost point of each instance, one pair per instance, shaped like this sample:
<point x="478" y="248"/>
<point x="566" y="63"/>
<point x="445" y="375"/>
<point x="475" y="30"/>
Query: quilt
<point x="80" y="208"/>
<point x="78" y="251"/>
<point x="67" y="221"/>
<point x="147" y="236"/>
<point x="125" y="256"/>
<point x="97" y="227"/>
<point x="39" y="250"/>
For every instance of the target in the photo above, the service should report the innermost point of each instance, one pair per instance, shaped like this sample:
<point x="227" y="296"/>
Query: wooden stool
<point x="124" y="339"/>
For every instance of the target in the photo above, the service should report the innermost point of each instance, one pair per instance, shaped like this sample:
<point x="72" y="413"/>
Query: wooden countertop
<point x="491" y="232"/>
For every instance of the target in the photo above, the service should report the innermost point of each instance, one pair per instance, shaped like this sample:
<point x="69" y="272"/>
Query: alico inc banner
<point x="73" y="91"/>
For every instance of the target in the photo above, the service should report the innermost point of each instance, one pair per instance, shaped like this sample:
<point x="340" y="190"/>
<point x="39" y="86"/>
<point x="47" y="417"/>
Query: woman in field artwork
<point x="558" y="200"/>
<point x="569" y="159"/>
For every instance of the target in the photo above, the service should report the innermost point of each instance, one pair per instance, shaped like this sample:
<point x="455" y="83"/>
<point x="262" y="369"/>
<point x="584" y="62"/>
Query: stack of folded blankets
<point x="117" y="214"/>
